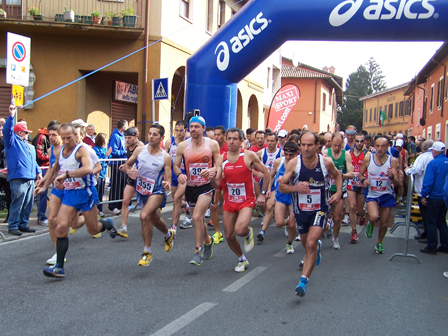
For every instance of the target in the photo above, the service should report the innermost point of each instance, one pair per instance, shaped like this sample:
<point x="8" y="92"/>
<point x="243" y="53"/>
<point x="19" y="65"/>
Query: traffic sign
<point x="160" y="88"/>
<point x="18" y="59"/>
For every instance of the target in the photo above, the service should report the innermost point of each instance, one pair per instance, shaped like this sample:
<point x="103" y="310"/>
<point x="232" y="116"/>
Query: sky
<point x="399" y="61"/>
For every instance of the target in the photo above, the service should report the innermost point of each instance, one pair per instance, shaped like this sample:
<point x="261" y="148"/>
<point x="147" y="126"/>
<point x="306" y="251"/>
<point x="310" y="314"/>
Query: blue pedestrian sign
<point x="160" y="88"/>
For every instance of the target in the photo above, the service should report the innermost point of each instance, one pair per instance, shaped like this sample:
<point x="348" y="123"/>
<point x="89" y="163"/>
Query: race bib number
<point x="72" y="182"/>
<point x="333" y="181"/>
<point x="236" y="192"/>
<point x="378" y="183"/>
<point x="356" y="182"/>
<point x="145" y="186"/>
<point x="195" y="171"/>
<point x="311" y="201"/>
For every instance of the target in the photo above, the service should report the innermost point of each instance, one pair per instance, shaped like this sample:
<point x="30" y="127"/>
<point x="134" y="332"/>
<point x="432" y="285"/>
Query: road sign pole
<point x="153" y="104"/>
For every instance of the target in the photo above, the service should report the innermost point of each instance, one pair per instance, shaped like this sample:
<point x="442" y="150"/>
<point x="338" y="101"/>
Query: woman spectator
<point x="102" y="153"/>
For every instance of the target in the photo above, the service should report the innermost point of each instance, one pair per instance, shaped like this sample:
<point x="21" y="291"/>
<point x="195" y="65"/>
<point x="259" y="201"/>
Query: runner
<point x="283" y="202"/>
<point x="199" y="153"/>
<point x="355" y="189"/>
<point x="75" y="176"/>
<point x="310" y="199"/>
<point x="239" y="196"/>
<point x="152" y="162"/>
<point x="382" y="172"/>
<point x="268" y="155"/>
<point x="282" y="138"/>
<point x="178" y="191"/>
<point x="260" y="143"/>
<point x="343" y="163"/>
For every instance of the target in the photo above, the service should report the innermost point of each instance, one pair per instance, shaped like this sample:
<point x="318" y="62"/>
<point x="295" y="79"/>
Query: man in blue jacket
<point x="433" y="198"/>
<point x="22" y="173"/>
<point x="117" y="177"/>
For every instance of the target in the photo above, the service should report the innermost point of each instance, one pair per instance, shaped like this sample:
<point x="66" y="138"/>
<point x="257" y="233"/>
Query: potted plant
<point x="116" y="20"/>
<point x="59" y="17"/>
<point x="96" y="18"/>
<point x="2" y="14"/>
<point x="35" y="13"/>
<point x="129" y="19"/>
<point x="69" y="16"/>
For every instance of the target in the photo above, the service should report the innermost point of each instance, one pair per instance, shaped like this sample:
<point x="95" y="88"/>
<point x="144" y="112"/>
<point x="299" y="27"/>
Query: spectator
<point x="433" y="197"/>
<point x="117" y="177"/>
<point x="23" y="121"/>
<point x="90" y="136"/>
<point x="23" y="171"/>
<point x="4" y="184"/>
<point x="103" y="153"/>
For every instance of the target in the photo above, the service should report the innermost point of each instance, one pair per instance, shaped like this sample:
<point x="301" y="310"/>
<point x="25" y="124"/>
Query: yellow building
<point x="396" y="107"/>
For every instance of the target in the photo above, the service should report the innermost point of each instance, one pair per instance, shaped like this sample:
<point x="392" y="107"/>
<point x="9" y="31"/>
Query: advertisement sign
<point x="18" y="59"/>
<point x="126" y="92"/>
<point x="281" y="106"/>
<point x="17" y="93"/>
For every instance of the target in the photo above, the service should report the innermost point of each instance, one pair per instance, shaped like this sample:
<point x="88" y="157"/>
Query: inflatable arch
<point x="262" y="26"/>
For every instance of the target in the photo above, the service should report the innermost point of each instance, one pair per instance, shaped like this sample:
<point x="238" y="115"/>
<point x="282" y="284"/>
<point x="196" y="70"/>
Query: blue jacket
<point x="101" y="153"/>
<point x="435" y="175"/>
<point x="118" y="144"/>
<point x="20" y="155"/>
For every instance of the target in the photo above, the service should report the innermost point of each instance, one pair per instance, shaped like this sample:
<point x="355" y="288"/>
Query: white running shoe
<point x="52" y="260"/>
<point x="336" y="245"/>
<point x="116" y="211"/>
<point x="346" y="220"/>
<point x="289" y="249"/>
<point x="207" y="213"/>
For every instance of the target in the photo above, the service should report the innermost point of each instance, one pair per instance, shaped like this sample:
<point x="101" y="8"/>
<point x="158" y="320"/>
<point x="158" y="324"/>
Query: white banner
<point x="126" y="92"/>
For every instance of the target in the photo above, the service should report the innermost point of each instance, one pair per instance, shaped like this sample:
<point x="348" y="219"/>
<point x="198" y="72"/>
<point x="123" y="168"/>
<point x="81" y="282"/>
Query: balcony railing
<point x="53" y="10"/>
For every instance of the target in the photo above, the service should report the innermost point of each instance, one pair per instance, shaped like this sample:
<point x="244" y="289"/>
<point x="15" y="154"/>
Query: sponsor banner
<point x="126" y="92"/>
<point x="17" y="93"/>
<point x="281" y="106"/>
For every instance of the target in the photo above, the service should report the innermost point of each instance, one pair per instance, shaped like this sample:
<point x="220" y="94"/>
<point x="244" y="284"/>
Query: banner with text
<point x="126" y="92"/>
<point x="281" y="106"/>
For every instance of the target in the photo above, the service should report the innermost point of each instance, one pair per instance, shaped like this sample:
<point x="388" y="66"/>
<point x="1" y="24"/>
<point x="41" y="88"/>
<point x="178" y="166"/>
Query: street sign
<point x="18" y="59"/>
<point x="160" y="88"/>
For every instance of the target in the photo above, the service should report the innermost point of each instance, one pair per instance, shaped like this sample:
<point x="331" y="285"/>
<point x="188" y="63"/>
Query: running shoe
<point x="379" y="248"/>
<point x="113" y="231"/>
<point x="186" y="224"/>
<point x="319" y="256"/>
<point x="43" y="222"/>
<point x="260" y="215"/>
<point x="123" y="231"/>
<point x="369" y="230"/>
<point x="362" y="220"/>
<point x="301" y="287"/>
<point x="354" y="238"/>
<point x="400" y="203"/>
<point x="329" y="229"/>
<point x="197" y="258"/>
<point x="96" y="236"/>
<point x="53" y="260"/>
<point x="301" y="262"/>
<point x="169" y="242"/>
<point x="210" y="223"/>
<point x="145" y="260"/>
<point x="289" y="249"/>
<point x="445" y="274"/>
<point x="336" y="245"/>
<point x="73" y="231"/>
<point x="249" y="242"/>
<point x="54" y="271"/>
<point x="242" y="265"/>
<point x="131" y="207"/>
<point x="297" y="238"/>
<point x="346" y="220"/>
<point x="102" y="214"/>
<point x="207" y="213"/>
<point x="260" y="236"/>
<point x="116" y="211"/>
<point x="286" y="230"/>
<point x="217" y="237"/>
<point x="208" y="249"/>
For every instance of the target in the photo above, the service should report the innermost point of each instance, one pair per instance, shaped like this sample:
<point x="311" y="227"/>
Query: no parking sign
<point x="18" y="59"/>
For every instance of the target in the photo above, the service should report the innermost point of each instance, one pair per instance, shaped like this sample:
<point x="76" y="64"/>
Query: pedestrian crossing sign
<point x="160" y="88"/>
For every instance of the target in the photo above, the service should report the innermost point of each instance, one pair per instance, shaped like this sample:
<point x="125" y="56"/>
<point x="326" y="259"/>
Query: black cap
<point x="131" y="131"/>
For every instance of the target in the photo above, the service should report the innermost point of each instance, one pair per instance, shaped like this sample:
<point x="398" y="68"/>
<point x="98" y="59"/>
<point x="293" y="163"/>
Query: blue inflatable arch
<point x="262" y="26"/>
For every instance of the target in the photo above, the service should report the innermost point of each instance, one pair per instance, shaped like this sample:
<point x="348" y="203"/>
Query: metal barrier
<point x="406" y="222"/>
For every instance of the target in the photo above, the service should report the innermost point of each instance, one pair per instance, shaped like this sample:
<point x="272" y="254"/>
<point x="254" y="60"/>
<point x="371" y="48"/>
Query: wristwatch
<point x="263" y="192"/>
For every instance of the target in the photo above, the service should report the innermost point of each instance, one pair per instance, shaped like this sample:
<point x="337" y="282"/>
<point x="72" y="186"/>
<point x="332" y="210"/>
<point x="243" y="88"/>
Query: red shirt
<point x="224" y="149"/>
<point x="255" y="148"/>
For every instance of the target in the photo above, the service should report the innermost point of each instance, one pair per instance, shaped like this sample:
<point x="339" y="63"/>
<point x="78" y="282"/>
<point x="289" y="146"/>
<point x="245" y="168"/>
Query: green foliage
<point x="376" y="76"/>
<point x="96" y="13"/>
<point x="127" y="11"/>
<point x="34" y="11"/>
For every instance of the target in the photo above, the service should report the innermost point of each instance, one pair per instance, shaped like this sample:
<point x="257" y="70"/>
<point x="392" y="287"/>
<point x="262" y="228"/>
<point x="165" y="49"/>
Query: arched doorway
<point x="252" y="112"/>
<point x="239" y="111"/>
<point x="177" y="96"/>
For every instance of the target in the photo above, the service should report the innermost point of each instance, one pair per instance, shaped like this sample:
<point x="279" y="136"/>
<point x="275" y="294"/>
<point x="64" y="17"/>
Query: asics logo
<point x="382" y="10"/>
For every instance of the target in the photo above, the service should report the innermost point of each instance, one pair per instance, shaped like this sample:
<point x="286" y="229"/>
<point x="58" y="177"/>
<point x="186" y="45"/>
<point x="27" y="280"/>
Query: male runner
<point x="343" y="163"/>
<point x="75" y="176"/>
<point x="282" y="138"/>
<point x="268" y="155"/>
<point x="382" y="172"/>
<point x="350" y="132"/>
<point x="151" y="163"/>
<point x="309" y="174"/>
<point x="239" y="196"/>
<point x="355" y="188"/>
<point x="283" y="202"/>
<point x="199" y="153"/>
<point x="178" y="190"/>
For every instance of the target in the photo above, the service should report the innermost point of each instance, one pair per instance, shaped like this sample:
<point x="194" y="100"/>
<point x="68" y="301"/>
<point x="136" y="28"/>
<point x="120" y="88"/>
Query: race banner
<point x="281" y="106"/>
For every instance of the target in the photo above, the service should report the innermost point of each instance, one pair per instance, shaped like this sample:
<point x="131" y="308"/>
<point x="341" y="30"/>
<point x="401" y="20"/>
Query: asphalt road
<point x="353" y="292"/>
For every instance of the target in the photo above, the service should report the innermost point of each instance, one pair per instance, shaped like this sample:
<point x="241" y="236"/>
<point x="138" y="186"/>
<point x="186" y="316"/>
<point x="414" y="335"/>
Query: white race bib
<point x="355" y="181"/>
<point x="236" y="192"/>
<point x="145" y="186"/>
<point x="378" y="183"/>
<point x="195" y="171"/>
<point x="311" y="201"/>
<point x="73" y="182"/>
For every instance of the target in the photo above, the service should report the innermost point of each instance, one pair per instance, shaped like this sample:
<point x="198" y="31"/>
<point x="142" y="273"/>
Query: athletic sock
<point x="168" y="234"/>
<point x="147" y="249"/>
<point x="61" y="250"/>
<point x="289" y="243"/>
<point x="263" y="231"/>
<point x="174" y="228"/>
<point x="124" y="227"/>
<point x="243" y="258"/>
<point x="304" y="277"/>
<point x="247" y="237"/>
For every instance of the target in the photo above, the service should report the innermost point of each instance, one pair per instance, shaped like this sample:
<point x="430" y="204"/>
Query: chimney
<point x="332" y="69"/>
<point x="325" y="69"/>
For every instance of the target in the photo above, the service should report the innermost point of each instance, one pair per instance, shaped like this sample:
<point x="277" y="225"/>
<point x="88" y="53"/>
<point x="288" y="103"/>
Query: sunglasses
<point x="360" y="141"/>
<point x="290" y="153"/>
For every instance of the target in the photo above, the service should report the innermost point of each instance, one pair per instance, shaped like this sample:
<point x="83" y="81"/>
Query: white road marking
<point x="185" y="319"/>
<point x="245" y="279"/>
<point x="23" y="239"/>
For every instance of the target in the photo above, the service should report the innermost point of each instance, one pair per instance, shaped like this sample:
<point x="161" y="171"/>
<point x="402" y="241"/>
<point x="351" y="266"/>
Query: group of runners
<point x="296" y="184"/>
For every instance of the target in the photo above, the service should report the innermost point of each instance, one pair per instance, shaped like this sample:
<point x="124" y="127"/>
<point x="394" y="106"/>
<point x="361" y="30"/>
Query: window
<point x="222" y="13"/>
<point x="431" y="99"/>
<point x="370" y="118"/>
<point x="385" y="109"/>
<point x="396" y="109"/>
<point x="324" y="101"/>
<point x="391" y="111"/>
<point x="209" y="16"/>
<point x="446" y="86"/>
<point x="367" y="112"/>
<point x="185" y="8"/>
<point x="374" y="114"/>
<point x="440" y="93"/>
<point x="400" y="109"/>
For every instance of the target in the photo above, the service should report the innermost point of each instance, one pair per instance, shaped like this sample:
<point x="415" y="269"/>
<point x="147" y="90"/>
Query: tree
<point x="364" y="81"/>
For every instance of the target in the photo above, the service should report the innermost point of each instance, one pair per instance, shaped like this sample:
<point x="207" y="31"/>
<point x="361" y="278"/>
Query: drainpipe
<point x="315" y="97"/>
<point x="145" y="71"/>
<point x="443" y="82"/>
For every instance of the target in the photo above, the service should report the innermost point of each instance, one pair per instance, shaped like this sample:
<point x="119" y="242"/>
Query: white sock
<point x="243" y="257"/>
<point x="147" y="249"/>
<point x="124" y="226"/>
<point x="168" y="234"/>
<point x="174" y="228"/>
